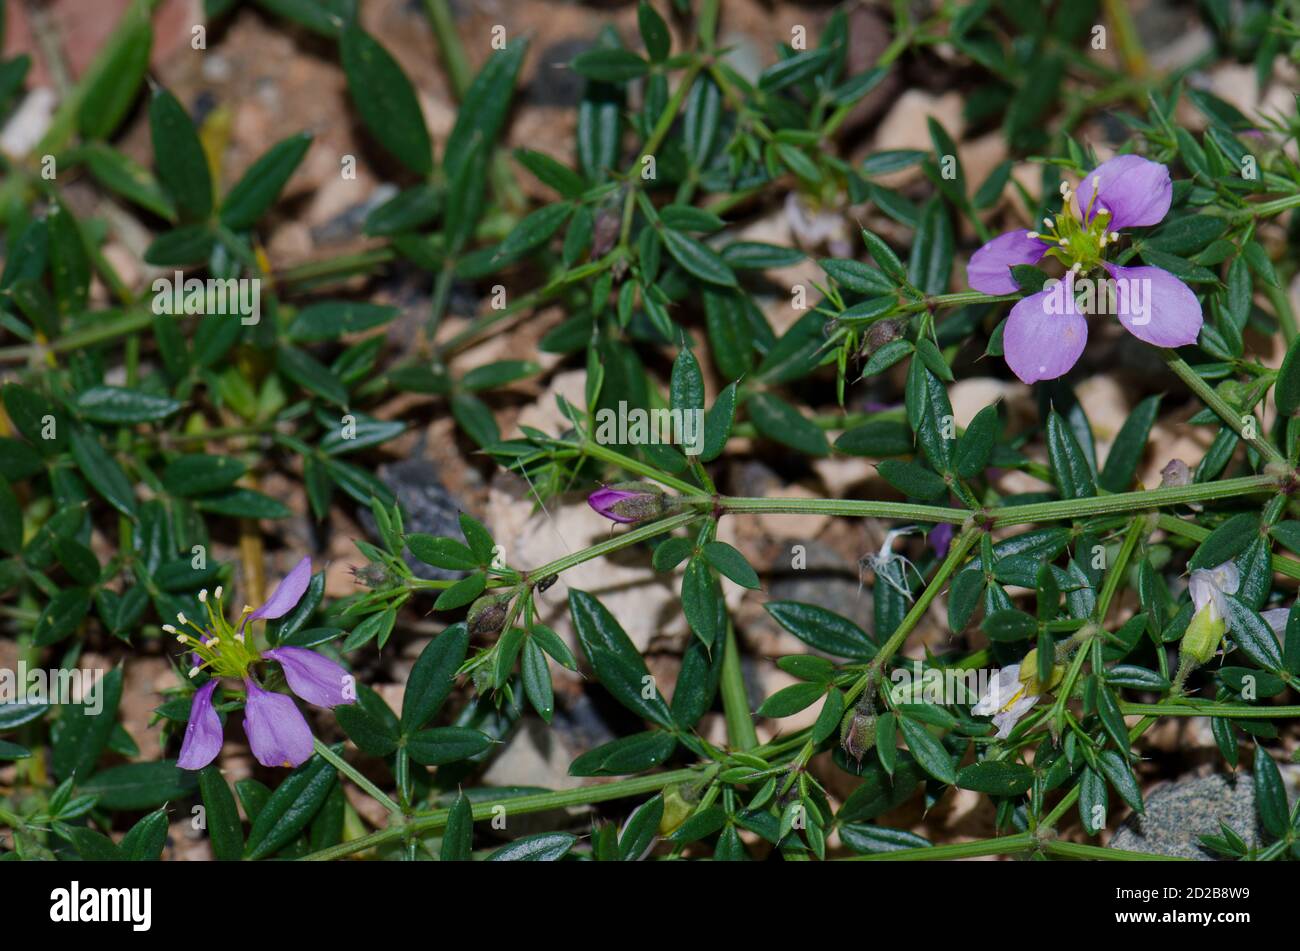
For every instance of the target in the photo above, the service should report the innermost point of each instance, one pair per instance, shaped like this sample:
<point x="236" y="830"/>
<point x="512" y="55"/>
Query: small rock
<point x="1179" y="813"/>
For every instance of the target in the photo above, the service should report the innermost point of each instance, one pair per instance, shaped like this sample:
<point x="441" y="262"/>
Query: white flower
<point x="1007" y="699"/>
<point x="1209" y="585"/>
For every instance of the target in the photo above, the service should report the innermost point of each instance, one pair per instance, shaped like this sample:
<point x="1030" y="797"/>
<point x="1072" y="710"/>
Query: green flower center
<point x="1077" y="245"/>
<point x="220" y="647"/>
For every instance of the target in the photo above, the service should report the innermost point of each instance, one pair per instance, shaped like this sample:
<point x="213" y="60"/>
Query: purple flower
<point x="1045" y="333"/>
<point x="287" y="593"/>
<point x="606" y="502"/>
<point x="990" y="267"/>
<point x="629" y="502"/>
<point x="203" y="733"/>
<point x="315" y="678"/>
<point x="277" y="732"/>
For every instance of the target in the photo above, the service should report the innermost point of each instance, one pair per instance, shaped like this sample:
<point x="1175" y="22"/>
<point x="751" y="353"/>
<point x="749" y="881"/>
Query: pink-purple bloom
<point x="629" y="502"/>
<point x="1045" y="332"/>
<point x="277" y="731"/>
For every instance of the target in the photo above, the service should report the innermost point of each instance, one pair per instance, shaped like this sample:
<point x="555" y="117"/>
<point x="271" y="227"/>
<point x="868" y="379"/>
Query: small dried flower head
<point x="1175" y="473"/>
<point x="372" y="575"/>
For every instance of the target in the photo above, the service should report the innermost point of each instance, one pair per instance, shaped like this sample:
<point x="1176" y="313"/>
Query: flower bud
<point x="629" y="502"/>
<point x="1029" y="674"/>
<point x="858" y="732"/>
<point x="677" y="809"/>
<point x="1201" y="641"/>
<point x="881" y="333"/>
<point x="487" y="615"/>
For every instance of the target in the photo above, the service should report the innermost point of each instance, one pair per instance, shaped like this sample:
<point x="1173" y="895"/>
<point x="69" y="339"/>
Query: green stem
<point x="347" y="769"/>
<point x="1078" y="850"/>
<point x="521" y="805"/>
<point x="1002" y="845"/>
<point x="1234" y="418"/>
<point x="735" y="701"/>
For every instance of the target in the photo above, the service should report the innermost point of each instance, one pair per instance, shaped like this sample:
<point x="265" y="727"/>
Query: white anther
<point x="169" y="629"/>
<point x="203" y="596"/>
<point x="181" y="617"/>
<point x="194" y="672"/>
<point x="218" y="592"/>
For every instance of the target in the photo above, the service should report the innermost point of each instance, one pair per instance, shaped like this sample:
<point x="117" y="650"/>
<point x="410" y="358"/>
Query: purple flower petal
<point x="604" y="501"/>
<point x="287" y="593"/>
<point x="940" y="538"/>
<point x="1136" y="191"/>
<point x="277" y="731"/>
<point x="1155" y="306"/>
<point x="989" y="269"/>
<point x="314" y="677"/>
<point x="203" y="733"/>
<point x="1039" y="345"/>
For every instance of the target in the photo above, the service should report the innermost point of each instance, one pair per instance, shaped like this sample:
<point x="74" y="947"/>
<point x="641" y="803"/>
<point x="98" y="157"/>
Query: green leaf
<point x="698" y="259"/>
<point x="313" y="376"/>
<point x="858" y="277"/>
<point x="996" y="778"/>
<point x="976" y="444"/>
<point x="369" y="723"/>
<point x="929" y="752"/>
<point x="1070" y="466"/>
<point x="458" y="836"/>
<point x="178" y="157"/>
<point x="259" y="187"/>
<point x="731" y="563"/>
<point x="1270" y="794"/>
<point x="610" y="65"/>
<point x="825" y="630"/>
<point x="242" y="503"/>
<point x="1255" y="638"/>
<point x="442" y="552"/>
<point x="778" y="420"/>
<point x="543" y="847"/>
<point x="615" y="660"/>
<point x="912" y="479"/>
<point x="1287" y="391"/>
<point x="137" y="786"/>
<point x="702" y="602"/>
<point x="790" y="700"/>
<point x="115" y="75"/>
<point x="61" y="616"/>
<point x="224" y="829"/>
<point x="932" y="250"/>
<point x="385" y="99"/>
<point x="115" y="404"/>
<point x="197" y="474"/>
<point x="628" y="754"/>
<point x="103" y="472"/>
<point x="551" y="172"/>
<point x="1120" y="775"/>
<point x="291" y="807"/>
<point x="433" y="676"/>
<point x="446" y="744"/>
<point x="654" y="32"/>
<point x="718" y="422"/>
<point x="1129" y="447"/>
<point x="537" y="680"/>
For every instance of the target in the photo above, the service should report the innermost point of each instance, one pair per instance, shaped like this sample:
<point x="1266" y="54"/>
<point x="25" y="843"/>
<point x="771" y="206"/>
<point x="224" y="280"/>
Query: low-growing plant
<point x="153" y="424"/>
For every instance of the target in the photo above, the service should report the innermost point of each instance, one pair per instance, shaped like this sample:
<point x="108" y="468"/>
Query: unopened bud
<point x="858" y="732"/>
